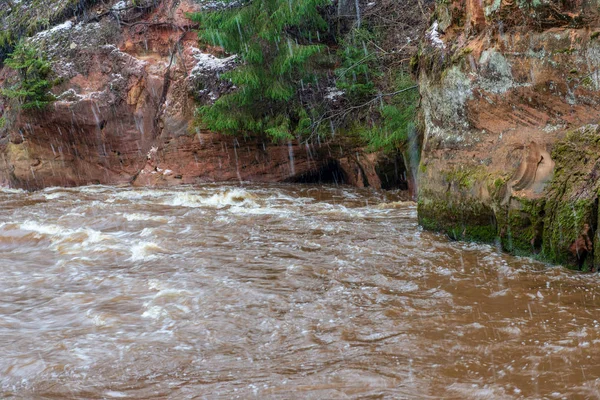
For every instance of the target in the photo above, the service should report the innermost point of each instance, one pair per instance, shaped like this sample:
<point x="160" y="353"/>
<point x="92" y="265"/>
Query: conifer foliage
<point x="279" y="47"/>
<point x="31" y="87"/>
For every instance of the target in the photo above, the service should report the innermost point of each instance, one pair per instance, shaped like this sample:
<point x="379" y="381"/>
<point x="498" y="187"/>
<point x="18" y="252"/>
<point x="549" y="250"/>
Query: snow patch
<point x="333" y="93"/>
<point x="219" y="5"/>
<point x="434" y="36"/>
<point x="121" y="5"/>
<point x="208" y="63"/>
<point x="62" y="27"/>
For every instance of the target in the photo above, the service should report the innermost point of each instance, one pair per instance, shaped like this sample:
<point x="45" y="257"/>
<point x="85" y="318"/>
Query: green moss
<point x="595" y="35"/>
<point x="565" y="227"/>
<point x="572" y="197"/>
<point x="460" y="55"/>
<point x="586" y="81"/>
<point x="558" y="226"/>
<point x="465" y="177"/>
<point x="564" y="51"/>
<point x="468" y="219"/>
<point x="522" y="228"/>
<point x="499" y="182"/>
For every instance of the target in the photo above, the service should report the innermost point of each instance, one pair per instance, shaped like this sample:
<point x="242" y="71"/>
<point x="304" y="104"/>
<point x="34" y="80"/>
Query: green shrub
<point x="359" y="65"/>
<point x="396" y="118"/>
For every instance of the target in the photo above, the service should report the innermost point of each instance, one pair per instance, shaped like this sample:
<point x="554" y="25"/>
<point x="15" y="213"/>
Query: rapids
<point x="275" y="291"/>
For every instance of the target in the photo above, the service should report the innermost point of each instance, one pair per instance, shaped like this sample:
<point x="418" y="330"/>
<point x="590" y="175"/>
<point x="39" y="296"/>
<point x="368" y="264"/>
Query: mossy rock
<point x="559" y="226"/>
<point x="32" y="16"/>
<point x="521" y="227"/>
<point x="464" y="220"/>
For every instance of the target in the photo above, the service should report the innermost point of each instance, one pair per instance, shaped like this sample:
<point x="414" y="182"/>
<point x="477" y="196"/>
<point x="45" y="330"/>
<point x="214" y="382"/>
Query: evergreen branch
<point x="356" y="64"/>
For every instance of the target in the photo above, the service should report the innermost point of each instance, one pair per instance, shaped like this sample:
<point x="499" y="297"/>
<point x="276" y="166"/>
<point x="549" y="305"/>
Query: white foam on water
<point x="155" y="312"/>
<point x="511" y="330"/>
<point x="405" y="287"/>
<point x="145" y="251"/>
<point x="579" y="333"/>
<point x="55" y="195"/>
<point x="138" y="194"/>
<point x="339" y="209"/>
<point x="172" y="293"/>
<point x="95" y="189"/>
<point x="49" y="229"/>
<point x="185" y="200"/>
<point x="475" y="325"/>
<point x="146" y="232"/>
<point x="396" y="204"/>
<point x="234" y="197"/>
<point x="440" y="294"/>
<point x="479" y="392"/>
<point x="260" y="211"/>
<point x="8" y="190"/>
<point x="97" y="319"/>
<point x="145" y="217"/>
<point x="61" y="235"/>
<point x="116" y="395"/>
<point x="499" y="293"/>
<point x="155" y="284"/>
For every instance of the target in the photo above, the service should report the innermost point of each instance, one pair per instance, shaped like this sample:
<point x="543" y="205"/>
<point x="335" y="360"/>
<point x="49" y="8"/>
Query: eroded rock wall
<point x="510" y="102"/>
<point x="132" y="75"/>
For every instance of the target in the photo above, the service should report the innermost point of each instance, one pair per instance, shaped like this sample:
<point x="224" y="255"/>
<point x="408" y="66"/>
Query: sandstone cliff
<point x="132" y="75"/>
<point x="510" y="103"/>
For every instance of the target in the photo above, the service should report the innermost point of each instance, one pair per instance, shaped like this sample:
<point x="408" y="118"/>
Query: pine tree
<point x="31" y="88"/>
<point x="278" y="43"/>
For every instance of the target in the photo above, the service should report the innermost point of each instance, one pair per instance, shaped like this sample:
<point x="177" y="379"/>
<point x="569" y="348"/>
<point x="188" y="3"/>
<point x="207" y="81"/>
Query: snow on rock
<point x="204" y="78"/>
<point x="207" y="63"/>
<point x="65" y="26"/>
<point x="127" y="63"/>
<point x="121" y="5"/>
<point x="212" y="5"/>
<point x="68" y="45"/>
<point x="69" y="95"/>
<point x="434" y="36"/>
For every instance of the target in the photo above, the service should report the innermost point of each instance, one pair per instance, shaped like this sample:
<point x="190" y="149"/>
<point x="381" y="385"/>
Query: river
<point x="275" y="291"/>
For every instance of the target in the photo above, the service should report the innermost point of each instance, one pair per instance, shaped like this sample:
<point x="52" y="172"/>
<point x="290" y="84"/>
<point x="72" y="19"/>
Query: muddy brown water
<point x="276" y="292"/>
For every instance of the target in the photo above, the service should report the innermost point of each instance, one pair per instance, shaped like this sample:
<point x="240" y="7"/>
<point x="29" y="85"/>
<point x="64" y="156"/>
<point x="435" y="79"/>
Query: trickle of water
<point x="275" y="291"/>
<point x="291" y="158"/>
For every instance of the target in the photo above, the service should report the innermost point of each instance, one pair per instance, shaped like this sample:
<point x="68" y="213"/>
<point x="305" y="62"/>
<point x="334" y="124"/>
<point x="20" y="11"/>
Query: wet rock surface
<point x="503" y="100"/>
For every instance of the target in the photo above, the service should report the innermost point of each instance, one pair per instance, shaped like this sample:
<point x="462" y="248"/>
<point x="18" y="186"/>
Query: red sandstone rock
<point x="125" y="115"/>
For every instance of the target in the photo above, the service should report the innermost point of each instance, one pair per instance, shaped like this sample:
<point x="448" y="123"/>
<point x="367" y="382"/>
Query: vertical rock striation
<point x="510" y="100"/>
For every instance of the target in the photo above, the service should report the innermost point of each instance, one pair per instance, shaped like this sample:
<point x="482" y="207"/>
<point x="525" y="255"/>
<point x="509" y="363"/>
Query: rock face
<point x="510" y="102"/>
<point x="132" y="76"/>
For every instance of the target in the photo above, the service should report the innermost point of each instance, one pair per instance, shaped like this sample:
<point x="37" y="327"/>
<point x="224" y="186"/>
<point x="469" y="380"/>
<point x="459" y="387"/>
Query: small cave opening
<point x="328" y="173"/>
<point x="392" y="172"/>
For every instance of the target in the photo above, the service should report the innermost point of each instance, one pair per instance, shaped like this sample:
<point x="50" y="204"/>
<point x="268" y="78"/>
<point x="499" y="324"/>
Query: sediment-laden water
<point x="276" y="292"/>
